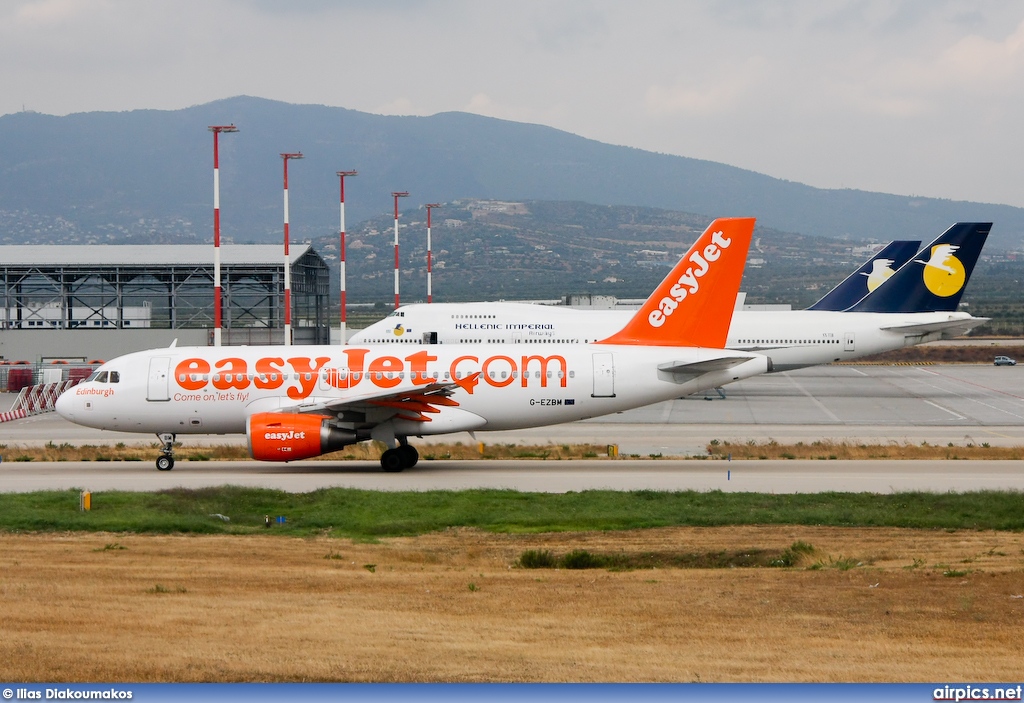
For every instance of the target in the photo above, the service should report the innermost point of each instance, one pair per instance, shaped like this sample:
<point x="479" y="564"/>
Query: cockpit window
<point x="105" y="377"/>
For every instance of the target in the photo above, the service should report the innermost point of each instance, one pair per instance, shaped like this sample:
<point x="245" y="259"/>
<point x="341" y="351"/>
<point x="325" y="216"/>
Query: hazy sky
<point x="915" y="97"/>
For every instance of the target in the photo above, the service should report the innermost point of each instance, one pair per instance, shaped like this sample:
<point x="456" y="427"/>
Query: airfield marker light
<point x="397" y="195"/>
<point x="217" y="309"/>
<point x="287" y="259"/>
<point x="430" y="268"/>
<point x="341" y="176"/>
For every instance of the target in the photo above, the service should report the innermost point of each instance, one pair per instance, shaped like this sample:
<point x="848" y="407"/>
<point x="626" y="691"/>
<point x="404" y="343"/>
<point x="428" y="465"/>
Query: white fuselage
<point x="214" y="389"/>
<point x="792" y="339"/>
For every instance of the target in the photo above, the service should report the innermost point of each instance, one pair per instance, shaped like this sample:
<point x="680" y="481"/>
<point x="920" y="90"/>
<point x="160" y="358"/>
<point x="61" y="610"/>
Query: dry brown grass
<point x="371" y="451"/>
<point x="920" y="606"/>
<point x="831" y="449"/>
<point x="944" y="354"/>
<point x="364" y="451"/>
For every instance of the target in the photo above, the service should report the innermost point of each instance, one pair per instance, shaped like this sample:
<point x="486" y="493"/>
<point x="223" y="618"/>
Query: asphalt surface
<point x="532" y="476"/>
<point x="939" y="404"/>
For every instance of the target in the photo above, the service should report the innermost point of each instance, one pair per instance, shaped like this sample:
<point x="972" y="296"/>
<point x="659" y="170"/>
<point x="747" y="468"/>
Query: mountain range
<point x="146" y="176"/>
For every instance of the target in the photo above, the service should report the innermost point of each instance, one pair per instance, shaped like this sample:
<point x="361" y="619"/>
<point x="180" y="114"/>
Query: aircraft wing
<point x="949" y="328"/>
<point x="683" y="371"/>
<point x="408" y="403"/>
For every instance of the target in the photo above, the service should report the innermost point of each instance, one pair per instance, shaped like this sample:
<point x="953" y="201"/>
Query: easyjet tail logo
<point x="689" y="282"/>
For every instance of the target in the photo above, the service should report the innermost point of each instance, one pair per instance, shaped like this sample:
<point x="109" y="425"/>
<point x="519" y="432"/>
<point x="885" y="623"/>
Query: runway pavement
<point x="529" y="475"/>
<point x="867" y="404"/>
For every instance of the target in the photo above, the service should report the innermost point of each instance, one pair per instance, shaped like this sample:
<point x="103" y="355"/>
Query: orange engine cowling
<point x="290" y="436"/>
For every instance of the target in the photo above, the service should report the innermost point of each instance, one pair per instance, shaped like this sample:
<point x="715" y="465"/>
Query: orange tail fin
<point x="693" y="306"/>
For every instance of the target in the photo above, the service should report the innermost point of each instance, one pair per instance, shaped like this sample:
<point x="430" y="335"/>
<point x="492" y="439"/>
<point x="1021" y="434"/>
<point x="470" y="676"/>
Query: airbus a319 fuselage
<point x="190" y="390"/>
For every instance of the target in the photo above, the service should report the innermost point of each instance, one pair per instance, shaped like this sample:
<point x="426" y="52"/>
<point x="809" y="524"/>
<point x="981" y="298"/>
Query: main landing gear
<point x="404" y="456"/>
<point x="165" y="462"/>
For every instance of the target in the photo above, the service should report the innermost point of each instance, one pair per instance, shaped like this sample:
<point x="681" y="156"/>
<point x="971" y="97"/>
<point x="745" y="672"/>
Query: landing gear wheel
<point x="391" y="461"/>
<point x="409" y="455"/>
<point x="404" y="456"/>
<point x="165" y="462"/>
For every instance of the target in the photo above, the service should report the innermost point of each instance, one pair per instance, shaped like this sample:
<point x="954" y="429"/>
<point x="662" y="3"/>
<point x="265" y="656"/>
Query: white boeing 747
<point x="302" y="401"/>
<point x="918" y="303"/>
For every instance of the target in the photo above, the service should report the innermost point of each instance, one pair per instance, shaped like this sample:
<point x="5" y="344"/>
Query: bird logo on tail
<point x="944" y="274"/>
<point x="881" y="269"/>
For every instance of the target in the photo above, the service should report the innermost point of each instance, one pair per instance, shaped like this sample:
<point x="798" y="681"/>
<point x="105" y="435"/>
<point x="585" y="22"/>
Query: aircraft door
<point x="158" y="378"/>
<point x="430" y="337"/>
<point x="850" y="346"/>
<point x="604" y="375"/>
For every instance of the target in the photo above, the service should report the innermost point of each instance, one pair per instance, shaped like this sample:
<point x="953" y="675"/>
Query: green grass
<point x="625" y="561"/>
<point x="370" y="514"/>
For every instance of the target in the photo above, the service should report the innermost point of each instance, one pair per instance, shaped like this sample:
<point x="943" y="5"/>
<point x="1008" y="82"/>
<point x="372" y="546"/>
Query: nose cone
<point x="65" y="405"/>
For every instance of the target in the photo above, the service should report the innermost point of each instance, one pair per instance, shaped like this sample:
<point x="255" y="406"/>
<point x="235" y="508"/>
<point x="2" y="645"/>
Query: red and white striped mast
<point x="397" y="195"/>
<point x="287" y="259"/>
<point x="341" y="176"/>
<point x="430" y="294"/>
<point x="217" y="314"/>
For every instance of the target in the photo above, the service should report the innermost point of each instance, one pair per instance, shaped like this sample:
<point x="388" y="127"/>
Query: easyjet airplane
<point x="299" y="402"/>
<point x="918" y="303"/>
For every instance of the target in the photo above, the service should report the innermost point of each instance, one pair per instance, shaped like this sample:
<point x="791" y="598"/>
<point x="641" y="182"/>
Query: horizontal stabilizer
<point x="683" y="371"/>
<point x="959" y="325"/>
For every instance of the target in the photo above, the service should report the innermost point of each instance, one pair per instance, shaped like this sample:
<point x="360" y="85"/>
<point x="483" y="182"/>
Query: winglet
<point x="693" y="306"/>
<point x="934" y="280"/>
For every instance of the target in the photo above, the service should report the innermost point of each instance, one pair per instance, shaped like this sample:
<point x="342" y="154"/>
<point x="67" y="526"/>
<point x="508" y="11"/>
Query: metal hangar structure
<point x="157" y="287"/>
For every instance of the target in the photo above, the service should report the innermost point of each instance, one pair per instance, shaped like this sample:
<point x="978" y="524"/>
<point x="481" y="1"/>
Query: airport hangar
<point x="85" y="302"/>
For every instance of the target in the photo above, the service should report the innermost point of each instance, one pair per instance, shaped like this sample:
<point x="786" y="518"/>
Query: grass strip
<point x="797" y="553"/>
<point x="361" y="514"/>
<point x="825" y="449"/>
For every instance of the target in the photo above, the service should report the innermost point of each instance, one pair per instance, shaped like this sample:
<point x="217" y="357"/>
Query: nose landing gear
<point x="165" y="462"/>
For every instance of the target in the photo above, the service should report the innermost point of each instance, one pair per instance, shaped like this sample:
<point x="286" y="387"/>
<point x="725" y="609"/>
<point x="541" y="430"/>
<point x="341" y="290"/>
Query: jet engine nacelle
<point x="291" y="436"/>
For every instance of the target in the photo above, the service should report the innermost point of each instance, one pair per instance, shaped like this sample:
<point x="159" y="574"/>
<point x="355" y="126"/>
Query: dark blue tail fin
<point x="869" y="276"/>
<point x="934" y="280"/>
